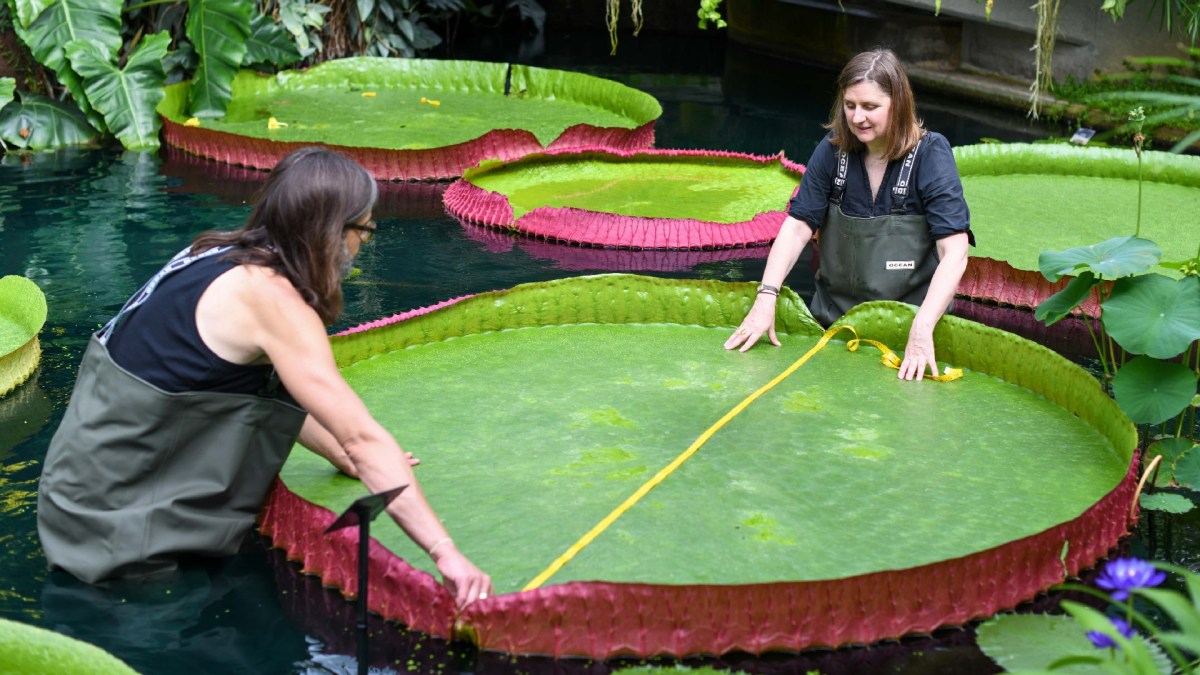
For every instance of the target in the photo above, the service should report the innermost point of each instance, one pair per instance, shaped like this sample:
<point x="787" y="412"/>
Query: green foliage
<point x="1153" y="314"/>
<point x="38" y="123"/>
<point x="1116" y="257"/>
<point x="7" y="89"/>
<point x="1180" y="464"/>
<point x="1166" y="502"/>
<point x="1057" y="644"/>
<point x="29" y="649"/>
<point x="269" y="44"/>
<point x="218" y="30"/>
<point x="708" y="12"/>
<point x="1151" y="391"/>
<point x="125" y="96"/>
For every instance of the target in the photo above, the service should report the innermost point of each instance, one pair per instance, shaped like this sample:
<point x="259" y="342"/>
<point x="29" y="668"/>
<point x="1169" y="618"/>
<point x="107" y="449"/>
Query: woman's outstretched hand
<point x="918" y="354"/>
<point x="460" y="576"/>
<point x="759" y="321"/>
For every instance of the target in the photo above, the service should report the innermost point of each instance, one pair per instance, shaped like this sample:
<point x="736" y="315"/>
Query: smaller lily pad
<point x="1154" y="315"/>
<point x="1034" y="641"/>
<point x="1167" y="502"/>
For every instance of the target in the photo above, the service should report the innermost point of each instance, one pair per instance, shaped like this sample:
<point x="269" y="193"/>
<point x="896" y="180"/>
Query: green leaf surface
<point x="127" y="96"/>
<point x="1028" y="198"/>
<point x="1167" y="502"/>
<point x="708" y="188"/>
<point x="64" y="21"/>
<point x="580" y="390"/>
<point x="326" y="104"/>
<point x="1151" y="391"/>
<point x="29" y="10"/>
<point x="218" y="30"/>
<point x="22" y="312"/>
<point x="1171" y="449"/>
<point x="1023" y="642"/>
<point x="1145" y="658"/>
<point x="8" y="87"/>
<point x="1060" y="305"/>
<point x="47" y="124"/>
<point x="1187" y="468"/>
<point x="30" y="649"/>
<point x="269" y="43"/>
<point x="1185" y="614"/>
<point x="1110" y="259"/>
<point x="1153" y="314"/>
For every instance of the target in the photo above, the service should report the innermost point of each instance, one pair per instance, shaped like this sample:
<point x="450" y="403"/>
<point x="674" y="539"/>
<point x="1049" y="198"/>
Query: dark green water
<point x="89" y="227"/>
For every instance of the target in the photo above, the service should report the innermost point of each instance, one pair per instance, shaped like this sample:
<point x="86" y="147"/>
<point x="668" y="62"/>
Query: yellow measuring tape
<point x="889" y="358"/>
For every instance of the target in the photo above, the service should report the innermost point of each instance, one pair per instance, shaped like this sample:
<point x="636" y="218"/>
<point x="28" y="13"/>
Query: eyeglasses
<point x="367" y="229"/>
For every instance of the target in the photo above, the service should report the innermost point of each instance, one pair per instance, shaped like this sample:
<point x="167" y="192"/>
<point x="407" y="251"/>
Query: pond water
<point x="90" y="226"/>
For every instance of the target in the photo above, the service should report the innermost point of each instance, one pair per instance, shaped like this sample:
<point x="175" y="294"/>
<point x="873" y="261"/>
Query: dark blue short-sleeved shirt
<point x="938" y="195"/>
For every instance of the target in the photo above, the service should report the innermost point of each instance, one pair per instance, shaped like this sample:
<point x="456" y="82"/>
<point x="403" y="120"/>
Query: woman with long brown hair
<point x="888" y="200"/>
<point x="188" y="402"/>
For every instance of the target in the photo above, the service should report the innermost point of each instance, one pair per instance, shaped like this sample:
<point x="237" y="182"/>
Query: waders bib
<point x="136" y="476"/>
<point x="890" y="257"/>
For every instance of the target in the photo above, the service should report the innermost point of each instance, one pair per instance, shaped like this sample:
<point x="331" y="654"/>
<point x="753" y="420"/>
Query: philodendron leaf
<point x="269" y="43"/>
<point x="1153" y="314"/>
<point x="218" y="30"/>
<point x="29" y="10"/>
<point x="1167" y="502"/>
<point x="1150" y="391"/>
<point x="1059" y="305"/>
<point x="64" y="21"/>
<point x="1033" y="641"/>
<point x="39" y="123"/>
<point x="1111" y="259"/>
<point x="8" y="86"/>
<point x="126" y="97"/>
<point x="1187" y="468"/>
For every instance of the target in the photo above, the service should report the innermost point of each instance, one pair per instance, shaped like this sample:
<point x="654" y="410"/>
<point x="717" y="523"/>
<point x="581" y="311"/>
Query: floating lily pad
<point x="30" y="649"/>
<point x="843" y="505"/>
<point x="413" y="119"/>
<point x="1029" y="198"/>
<point x="649" y="199"/>
<point x="22" y="313"/>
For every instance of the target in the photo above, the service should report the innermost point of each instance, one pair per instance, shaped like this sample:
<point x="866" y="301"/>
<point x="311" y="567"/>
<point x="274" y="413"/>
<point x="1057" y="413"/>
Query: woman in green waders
<point x="189" y="400"/>
<point x="888" y="200"/>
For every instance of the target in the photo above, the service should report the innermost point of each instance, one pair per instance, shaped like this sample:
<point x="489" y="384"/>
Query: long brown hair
<point x="883" y="68"/>
<point x="297" y="227"/>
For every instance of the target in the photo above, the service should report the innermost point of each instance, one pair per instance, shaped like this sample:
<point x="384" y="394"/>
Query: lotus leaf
<point x="1151" y="391"/>
<point x="1154" y="315"/>
<point x="1167" y="502"/>
<point x="1113" y="258"/>
<point x="592" y="400"/>
<point x="1187" y="468"/>
<point x="1026" y="642"/>
<point x="1060" y="305"/>
<point x="1171" y="450"/>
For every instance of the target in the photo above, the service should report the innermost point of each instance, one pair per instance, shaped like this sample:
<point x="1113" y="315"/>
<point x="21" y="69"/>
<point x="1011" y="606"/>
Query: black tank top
<point x="159" y="341"/>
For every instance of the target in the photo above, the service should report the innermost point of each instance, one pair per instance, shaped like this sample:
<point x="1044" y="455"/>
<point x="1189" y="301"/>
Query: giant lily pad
<point x="22" y="313"/>
<point x="413" y="119"/>
<point x="1029" y="198"/>
<point x="843" y="505"/>
<point x="648" y="199"/>
<point x="29" y="649"/>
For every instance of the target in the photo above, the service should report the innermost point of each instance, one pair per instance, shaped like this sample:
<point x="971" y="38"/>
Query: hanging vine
<point x="1047" y="32"/>
<point x="612" y="14"/>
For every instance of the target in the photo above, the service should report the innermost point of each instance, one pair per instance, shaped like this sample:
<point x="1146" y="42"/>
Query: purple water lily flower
<point x="1102" y="640"/>
<point x="1125" y="574"/>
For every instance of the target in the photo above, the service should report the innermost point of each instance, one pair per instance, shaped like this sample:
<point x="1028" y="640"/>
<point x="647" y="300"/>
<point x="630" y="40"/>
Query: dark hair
<point x="883" y="68"/>
<point x="298" y="224"/>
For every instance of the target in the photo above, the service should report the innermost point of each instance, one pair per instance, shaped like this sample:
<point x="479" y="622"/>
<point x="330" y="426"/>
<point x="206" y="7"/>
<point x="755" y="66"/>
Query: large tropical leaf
<point x="28" y="10"/>
<point x="1154" y="315"/>
<point x="218" y="30"/>
<point x="1150" y="391"/>
<point x="64" y="21"/>
<point x="1110" y="259"/>
<point x="39" y="123"/>
<point x="8" y="87"/>
<point x="269" y="43"/>
<point x="125" y="96"/>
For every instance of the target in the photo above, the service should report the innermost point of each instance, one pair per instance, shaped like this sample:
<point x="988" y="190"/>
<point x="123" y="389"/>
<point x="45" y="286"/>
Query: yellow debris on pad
<point x="273" y="123"/>
<point x="192" y="122"/>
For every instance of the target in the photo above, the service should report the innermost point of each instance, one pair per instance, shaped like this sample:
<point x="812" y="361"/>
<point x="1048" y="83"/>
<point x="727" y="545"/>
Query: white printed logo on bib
<point x="901" y="265"/>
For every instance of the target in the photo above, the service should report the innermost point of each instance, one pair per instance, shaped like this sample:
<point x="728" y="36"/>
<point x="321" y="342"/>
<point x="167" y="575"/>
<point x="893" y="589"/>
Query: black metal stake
<point x="361" y="513"/>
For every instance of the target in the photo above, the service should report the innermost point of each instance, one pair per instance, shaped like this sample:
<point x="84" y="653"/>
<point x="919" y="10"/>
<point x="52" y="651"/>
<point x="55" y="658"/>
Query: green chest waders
<point x="889" y="257"/>
<point x="136" y="477"/>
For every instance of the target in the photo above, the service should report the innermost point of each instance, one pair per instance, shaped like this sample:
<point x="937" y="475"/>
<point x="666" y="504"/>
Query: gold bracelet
<point x="437" y="544"/>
